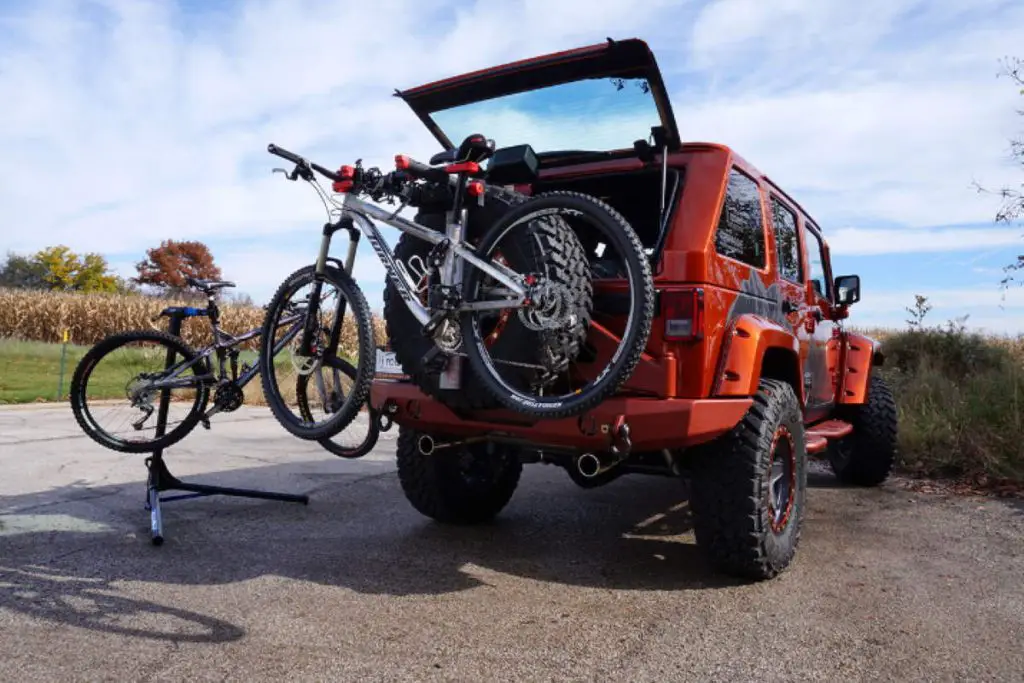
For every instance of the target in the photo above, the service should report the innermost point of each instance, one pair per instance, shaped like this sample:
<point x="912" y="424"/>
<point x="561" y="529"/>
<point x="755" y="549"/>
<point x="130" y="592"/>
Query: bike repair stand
<point x="160" y="479"/>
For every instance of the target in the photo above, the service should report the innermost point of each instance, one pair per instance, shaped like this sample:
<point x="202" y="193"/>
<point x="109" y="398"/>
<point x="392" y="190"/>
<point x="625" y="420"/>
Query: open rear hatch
<point x="574" y="106"/>
<point x="626" y="64"/>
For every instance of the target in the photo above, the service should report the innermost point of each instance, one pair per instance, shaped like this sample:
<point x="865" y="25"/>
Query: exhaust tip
<point x="425" y="444"/>
<point x="588" y="465"/>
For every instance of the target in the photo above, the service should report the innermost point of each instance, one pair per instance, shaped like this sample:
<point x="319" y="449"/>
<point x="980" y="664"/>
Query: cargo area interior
<point x="635" y="195"/>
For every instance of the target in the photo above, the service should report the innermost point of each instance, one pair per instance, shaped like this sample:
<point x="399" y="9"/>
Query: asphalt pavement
<point x="567" y="584"/>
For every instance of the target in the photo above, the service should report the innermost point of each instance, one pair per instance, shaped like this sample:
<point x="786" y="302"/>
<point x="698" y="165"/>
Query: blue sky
<point x="126" y="122"/>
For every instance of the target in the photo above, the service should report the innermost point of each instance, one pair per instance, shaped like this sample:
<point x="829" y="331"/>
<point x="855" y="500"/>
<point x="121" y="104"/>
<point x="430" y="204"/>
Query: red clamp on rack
<point x="470" y="167"/>
<point x="348" y="173"/>
<point x="475" y="188"/>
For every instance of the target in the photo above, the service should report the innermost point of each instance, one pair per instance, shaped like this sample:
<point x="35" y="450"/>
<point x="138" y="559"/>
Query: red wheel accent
<point x="779" y="518"/>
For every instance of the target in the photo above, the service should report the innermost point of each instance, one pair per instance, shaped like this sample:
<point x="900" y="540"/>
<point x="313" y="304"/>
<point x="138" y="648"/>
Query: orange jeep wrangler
<point x="748" y="370"/>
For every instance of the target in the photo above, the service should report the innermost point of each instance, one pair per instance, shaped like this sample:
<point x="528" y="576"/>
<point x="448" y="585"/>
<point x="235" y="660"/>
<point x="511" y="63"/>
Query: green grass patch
<point x="30" y="371"/>
<point x="960" y="397"/>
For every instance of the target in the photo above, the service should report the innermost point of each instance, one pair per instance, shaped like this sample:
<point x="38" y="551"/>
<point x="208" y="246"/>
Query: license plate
<point x="387" y="364"/>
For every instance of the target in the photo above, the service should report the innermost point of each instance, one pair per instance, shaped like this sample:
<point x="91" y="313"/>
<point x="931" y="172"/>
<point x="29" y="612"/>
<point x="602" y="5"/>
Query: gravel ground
<point x="567" y="585"/>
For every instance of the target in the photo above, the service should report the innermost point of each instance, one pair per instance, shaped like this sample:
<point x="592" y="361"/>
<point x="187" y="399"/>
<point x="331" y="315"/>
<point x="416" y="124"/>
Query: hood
<point x="623" y="59"/>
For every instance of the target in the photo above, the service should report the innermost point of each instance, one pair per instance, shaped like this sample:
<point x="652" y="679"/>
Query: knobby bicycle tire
<point x="79" y="383"/>
<point x="372" y="435"/>
<point x="624" y="241"/>
<point x="357" y="308"/>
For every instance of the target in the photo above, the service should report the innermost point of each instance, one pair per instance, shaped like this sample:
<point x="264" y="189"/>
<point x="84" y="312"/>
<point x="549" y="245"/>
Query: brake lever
<point x="290" y="176"/>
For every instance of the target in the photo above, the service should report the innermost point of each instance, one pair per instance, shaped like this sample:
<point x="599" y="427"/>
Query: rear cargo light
<point x="683" y="312"/>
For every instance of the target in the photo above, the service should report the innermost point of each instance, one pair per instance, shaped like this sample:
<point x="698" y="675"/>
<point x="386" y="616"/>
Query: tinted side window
<point x="819" y="279"/>
<point x="740" y="232"/>
<point x="786" y="243"/>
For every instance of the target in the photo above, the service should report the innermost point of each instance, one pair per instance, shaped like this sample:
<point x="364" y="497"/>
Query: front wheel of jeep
<point x="749" y="488"/>
<point x="457" y="484"/>
<point x="867" y="456"/>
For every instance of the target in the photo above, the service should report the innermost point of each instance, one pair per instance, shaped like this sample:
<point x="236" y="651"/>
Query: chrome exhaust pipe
<point x="426" y="444"/>
<point x="591" y="465"/>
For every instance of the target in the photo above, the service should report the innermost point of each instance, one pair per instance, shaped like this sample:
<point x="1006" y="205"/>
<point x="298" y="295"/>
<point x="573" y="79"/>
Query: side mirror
<point x="847" y="289"/>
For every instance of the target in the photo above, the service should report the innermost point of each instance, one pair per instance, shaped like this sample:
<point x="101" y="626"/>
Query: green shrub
<point x="960" y="397"/>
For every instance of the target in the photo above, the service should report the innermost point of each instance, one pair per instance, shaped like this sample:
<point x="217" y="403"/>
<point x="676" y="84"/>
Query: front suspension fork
<point x="309" y="326"/>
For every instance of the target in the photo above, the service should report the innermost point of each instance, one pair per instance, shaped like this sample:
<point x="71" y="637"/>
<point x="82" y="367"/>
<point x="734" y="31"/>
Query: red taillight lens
<point x="683" y="312"/>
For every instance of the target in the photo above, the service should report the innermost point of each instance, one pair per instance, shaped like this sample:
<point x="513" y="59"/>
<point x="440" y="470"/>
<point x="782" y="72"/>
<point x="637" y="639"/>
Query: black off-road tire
<point x="356" y="308"/>
<point x="80" y="380"/>
<point x="867" y="456"/>
<point x="731" y="495"/>
<point x="437" y="488"/>
<point x="623" y="240"/>
<point x="515" y="342"/>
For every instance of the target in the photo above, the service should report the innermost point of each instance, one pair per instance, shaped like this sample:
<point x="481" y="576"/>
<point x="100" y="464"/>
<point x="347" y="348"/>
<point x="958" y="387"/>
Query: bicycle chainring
<point x="228" y="397"/>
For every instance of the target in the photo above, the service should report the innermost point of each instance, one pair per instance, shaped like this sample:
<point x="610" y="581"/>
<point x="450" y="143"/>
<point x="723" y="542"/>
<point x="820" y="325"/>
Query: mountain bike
<point x="195" y="377"/>
<point x="464" y="292"/>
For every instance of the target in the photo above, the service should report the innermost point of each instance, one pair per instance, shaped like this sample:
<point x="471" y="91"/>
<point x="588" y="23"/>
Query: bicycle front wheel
<point x="342" y="338"/>
<point x="116" y="391"/>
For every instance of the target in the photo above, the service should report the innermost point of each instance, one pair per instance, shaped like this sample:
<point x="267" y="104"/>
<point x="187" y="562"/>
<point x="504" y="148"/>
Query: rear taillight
<point x="683" y="313"/>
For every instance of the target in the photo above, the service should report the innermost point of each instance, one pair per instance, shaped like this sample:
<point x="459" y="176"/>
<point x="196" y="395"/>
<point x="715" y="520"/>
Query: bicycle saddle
<point x="208" y="285"/>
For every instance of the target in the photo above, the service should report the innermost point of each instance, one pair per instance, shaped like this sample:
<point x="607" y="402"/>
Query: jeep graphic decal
<point x="757" y="299"/>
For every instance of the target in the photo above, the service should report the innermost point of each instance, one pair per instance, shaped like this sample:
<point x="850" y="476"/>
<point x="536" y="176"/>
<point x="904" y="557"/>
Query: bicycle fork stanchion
<point x="160" y="479"/>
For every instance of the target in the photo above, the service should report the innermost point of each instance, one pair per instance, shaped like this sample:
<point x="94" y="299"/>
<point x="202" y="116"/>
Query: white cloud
<point x="989" y="308"/>
<point x="126" y="121"/>
<point x="867" y="241"/>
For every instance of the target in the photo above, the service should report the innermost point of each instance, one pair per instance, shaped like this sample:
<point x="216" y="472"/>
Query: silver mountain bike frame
<point x="363" y="214"/>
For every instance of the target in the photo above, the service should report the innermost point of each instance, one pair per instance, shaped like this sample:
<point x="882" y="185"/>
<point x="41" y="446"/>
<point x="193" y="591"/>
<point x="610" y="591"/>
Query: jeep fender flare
<point x="756" y="347"/>
<point x="860" y="354"/>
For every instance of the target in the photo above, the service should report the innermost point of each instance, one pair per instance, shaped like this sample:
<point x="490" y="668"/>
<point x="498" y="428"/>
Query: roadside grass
<point x="960" y="397"/>
<point x="30" y="372"/>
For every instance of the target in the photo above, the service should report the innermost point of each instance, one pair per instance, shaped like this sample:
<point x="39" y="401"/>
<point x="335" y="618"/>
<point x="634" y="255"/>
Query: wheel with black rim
<point x="342" y="339"/>
<point x="749" y="487"/>
<point x="117" y="381"/>
<point x="457" y="484"/>
<point x="361" y="435"/>
<point x="541" y="240"/>
<point x="867" y="456"/>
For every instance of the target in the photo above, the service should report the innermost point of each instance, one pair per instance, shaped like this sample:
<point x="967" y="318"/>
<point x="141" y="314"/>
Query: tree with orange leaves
<point x="168" y="265"/>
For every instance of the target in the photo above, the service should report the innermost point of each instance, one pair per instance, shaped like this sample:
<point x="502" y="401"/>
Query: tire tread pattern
<point x="730" y="489"/>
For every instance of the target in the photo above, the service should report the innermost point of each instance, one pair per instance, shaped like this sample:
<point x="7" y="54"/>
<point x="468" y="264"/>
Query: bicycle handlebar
<point x="418" y="169"/>
<point x="301" y="161"/>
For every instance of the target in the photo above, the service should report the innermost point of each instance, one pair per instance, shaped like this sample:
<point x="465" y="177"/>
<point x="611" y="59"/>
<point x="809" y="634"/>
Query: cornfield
<point x="44" y="316"/>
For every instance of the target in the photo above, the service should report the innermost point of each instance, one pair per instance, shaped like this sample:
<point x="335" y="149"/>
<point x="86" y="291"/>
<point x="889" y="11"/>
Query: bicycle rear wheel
<point x="343" y="338"/>
<point x="560" y="375"/>
<point x="99" y="380"/>
<point x="330" y="396"/>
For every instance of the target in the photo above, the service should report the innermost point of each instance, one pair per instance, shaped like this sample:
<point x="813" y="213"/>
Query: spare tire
<point x="404" y="331"/>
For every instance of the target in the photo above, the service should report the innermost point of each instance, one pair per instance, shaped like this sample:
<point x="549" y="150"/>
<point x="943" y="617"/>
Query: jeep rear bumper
<point x="654" y="423"/>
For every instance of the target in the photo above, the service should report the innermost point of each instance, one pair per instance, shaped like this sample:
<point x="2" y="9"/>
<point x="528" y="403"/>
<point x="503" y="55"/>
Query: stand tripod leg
<point x="160" y="479"/>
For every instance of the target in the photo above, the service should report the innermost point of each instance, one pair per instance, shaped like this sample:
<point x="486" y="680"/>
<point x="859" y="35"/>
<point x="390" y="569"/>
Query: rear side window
<point x="786" y="243"/>
<point x="740" y="233"/>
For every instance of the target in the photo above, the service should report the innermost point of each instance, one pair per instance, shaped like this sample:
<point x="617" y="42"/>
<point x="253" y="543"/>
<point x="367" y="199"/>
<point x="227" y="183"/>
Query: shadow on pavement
<point x="63" y="551"/>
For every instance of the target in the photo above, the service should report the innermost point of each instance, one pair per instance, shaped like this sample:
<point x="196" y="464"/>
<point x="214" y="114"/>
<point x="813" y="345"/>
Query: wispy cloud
<point x="129" y="121"/>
